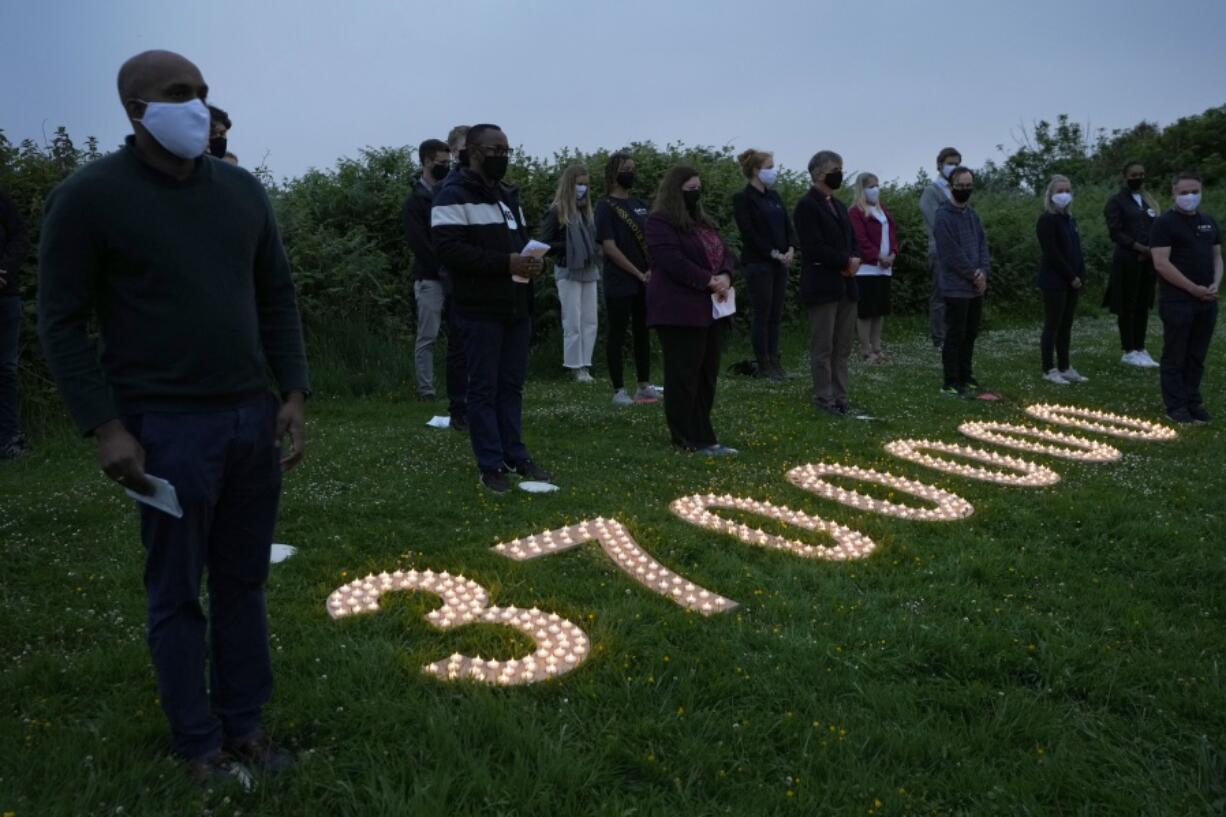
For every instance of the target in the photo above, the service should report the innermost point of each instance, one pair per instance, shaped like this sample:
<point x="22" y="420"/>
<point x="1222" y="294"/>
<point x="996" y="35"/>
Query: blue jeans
<point x="496" y="355"/>
<point x="1187" y="328"/>
<point x="10" y="340"/>
<point x="225" y="466"/>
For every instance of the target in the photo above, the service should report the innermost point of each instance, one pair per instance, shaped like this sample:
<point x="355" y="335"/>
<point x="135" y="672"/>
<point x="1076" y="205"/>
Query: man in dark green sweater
<point x="178" y="257"/>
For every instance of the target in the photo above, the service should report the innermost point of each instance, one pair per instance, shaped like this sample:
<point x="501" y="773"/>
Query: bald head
<point x="160" y="76"/>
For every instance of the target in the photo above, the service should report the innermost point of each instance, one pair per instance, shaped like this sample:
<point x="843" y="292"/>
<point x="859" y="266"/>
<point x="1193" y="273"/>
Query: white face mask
<point x="580" y="191"/>
<point x="180" y="127"/>
<point x="872" y="194"/>
<point x="1062" y="200"/>
<point x="946" y="170"/>
<point x="1188" y="202"/>
<point x="768" y="175"/>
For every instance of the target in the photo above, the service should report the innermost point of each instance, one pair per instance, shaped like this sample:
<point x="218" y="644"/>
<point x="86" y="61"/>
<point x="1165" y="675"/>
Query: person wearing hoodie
<point x="963" y="265"/>
<point x="934" y="195"/>
<point x="435" y="158"/>
<point x="479" y="232"/>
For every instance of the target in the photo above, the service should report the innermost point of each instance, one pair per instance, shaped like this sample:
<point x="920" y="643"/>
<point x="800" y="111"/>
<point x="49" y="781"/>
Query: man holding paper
<point x="178" y="257"/>
<point x="479" y="235"/>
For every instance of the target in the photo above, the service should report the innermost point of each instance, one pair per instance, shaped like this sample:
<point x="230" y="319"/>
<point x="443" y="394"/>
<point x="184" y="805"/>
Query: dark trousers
<point x="691" y="368"/>
<point x="962" y="319"/>
<point x="936" y="303"/>
<point x="496" y="356"/>
<point x="10" y="340"/>
<point x="1187" y="328"/>
<point x="457" y="374"/>
<point x="225" y="466"/>
<point x="1059" y="306"/>
<point x="767" y="288"/>
<point x="1135" y="294"/>
<point x="628" y="311"/>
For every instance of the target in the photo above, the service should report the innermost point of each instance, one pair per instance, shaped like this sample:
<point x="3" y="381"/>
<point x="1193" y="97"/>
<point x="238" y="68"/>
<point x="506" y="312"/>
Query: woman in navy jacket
<point x="1062" y="273"/>
<point x="1130" y="214"/>
<point x="690" y="268"/>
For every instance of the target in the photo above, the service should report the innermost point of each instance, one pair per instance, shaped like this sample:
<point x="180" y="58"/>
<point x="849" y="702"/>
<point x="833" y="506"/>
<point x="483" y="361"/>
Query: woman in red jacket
<point x="877" y="245"/>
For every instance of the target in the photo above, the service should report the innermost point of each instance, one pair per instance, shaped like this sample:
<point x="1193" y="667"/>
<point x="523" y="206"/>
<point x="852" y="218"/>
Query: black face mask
<point x="691" y="199"/>
<point x="461" y="159"/>
<point x="625" y="180"/>
<point x="834" y="180"/>
<point x="439" y="172"/>
<point x="961" y="196"/>
<point x="494" y="168"/>
<point x="217" y="147"/>
<point x="1135" y="185"/>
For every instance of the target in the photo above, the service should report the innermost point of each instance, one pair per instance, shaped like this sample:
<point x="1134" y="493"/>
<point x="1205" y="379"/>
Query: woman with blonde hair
<point x="570" y="231"/>
<point x="1062" y="273"/>
<point x="877" y="245"/>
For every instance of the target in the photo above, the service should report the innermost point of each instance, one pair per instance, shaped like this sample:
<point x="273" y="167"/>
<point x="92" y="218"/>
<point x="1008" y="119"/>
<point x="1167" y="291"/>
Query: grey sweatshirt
<point x="961" y="248"/>
<point x="934" y="195"/>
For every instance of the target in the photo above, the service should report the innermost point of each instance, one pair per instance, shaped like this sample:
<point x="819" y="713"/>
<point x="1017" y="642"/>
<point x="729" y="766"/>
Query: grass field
<point x="1057" y="653"/>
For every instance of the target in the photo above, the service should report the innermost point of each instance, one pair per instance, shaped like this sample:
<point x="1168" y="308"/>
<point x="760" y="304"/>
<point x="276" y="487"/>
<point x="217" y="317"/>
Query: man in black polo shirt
<point x="178" y="256"/>
<point x="1187" y="252"/>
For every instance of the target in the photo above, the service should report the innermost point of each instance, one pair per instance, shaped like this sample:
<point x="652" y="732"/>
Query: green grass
<point x="1056" y="653"/>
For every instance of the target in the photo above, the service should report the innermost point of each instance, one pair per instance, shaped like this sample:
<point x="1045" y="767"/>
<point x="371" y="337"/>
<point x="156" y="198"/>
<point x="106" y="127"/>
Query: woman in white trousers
<point x="570" y="232"/>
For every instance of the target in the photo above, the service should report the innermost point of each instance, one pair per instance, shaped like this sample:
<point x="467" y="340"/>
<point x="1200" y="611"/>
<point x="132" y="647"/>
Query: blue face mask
<point x="180" y="127"/>
<point x="581" y="191"/>
<point x="872" y="194"/>
<point x="768" y="175"/>
<point x="1188" y="202"/>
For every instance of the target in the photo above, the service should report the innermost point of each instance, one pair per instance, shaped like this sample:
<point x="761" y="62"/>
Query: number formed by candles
<point x="617" y="542"/>
<point x="560" y="645"/>
<point x="949" y="506"/>
<point x="849" y="544"/>
<point x="1024" y="473"/>
<point x="1101" y="422"/>
<point x="1066" y="446"/>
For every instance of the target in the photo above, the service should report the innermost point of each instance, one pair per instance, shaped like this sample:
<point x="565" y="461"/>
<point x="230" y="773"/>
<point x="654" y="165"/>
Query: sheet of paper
<point x="534" y="248"/>
<point x="164" y="497"/>
<point x="281" y="552"/>
<point x="533" y="487"/>
<point x="726" y="307"/>
<point x="439" y="422"/>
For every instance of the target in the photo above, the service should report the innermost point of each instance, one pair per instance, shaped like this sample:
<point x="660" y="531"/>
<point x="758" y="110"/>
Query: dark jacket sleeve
<point x="1054" y="252"/>
<point x="793" y="241"/>
<point x="985" y="256"/>
<point x="417" y="228"/>
<point x="14" y="243"/>
<point x="68" y="269"/>
<point x="277" y="304"/>
<point x="751" y="235"/>
<point x="813" y="243"/>
<point x="449" y="233"/>
<point x="950" y="252"/>
<point x="554" y="235"/>
<point x="869" y="252"/>
<point x="668" y="256"/>
<point x="1114" y="213"/>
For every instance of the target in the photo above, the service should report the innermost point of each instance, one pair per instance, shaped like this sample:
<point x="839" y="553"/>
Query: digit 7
<point x="616" y="541"/>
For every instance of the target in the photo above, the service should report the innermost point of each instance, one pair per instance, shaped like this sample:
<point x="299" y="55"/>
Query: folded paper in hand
<point x="534" y="249"/>
<point x="164" y="497"/>
<point x="726" y="307"/>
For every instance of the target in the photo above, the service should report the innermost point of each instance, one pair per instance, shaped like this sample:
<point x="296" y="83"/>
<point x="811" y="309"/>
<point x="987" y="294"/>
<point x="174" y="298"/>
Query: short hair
<point x="945" y="154"/>
<point x="752" y="159"/>
<point x="1186" y="176"/>
<point x="476" y="130"/>
<point x="1130" y="164"/>
<point x="821" y="158"/>
<point x="427" y="149"/>
<point x="218" y="115"/>
<point x="613" y="166"/>
<point x="961" y="170"/>
<point x="457" y="135"/>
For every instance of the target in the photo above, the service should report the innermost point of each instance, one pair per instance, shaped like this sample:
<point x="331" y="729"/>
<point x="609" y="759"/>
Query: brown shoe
<point x="219" y="770"/>
<point x="258" y="750"/>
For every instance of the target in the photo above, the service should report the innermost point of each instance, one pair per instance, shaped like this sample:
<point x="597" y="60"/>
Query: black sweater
<point x="14" y="244"/>
<point x="763" y="223"/>
<point x="416" y="218"/>
<point x="1128" y="222"/>
<point x="189" y="282"/>
<point x="1060" y="245"/>
<point x="826" y="247"/>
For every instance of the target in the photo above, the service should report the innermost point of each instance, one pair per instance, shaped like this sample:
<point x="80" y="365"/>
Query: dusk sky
<point x="885" y="83"/>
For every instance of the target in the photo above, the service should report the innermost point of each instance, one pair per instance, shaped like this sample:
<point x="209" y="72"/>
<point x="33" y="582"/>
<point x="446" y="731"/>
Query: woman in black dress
<point x="1130" y="293"/>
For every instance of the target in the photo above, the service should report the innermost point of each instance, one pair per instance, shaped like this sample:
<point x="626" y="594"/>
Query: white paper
<point x="439" y="422"/>
<point x="164" y="498"/>
<point x="281" y="552"/>
<point x="535" y="249"/>
<point x="726" y="307"/>
<point x="533" y="487"/>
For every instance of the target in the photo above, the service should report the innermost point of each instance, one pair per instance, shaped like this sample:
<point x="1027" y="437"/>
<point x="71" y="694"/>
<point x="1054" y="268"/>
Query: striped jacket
<point x="474" y="229"/>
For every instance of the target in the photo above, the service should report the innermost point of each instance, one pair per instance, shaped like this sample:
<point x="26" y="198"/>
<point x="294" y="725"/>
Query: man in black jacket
<point x="435" y="158"/>
<point x="828" y="280"/>
<point x="14" y="245"/>
<point x="478" y="229"/>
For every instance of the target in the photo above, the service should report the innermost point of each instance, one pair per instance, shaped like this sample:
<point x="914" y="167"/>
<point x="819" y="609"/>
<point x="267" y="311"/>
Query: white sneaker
<point x="648" y="394"/>
<point x="1131" y="359"/>
<point x="1073" y="376"/>
<point x="1145" y="361"/>
<point x="620" y="398"/>
<point x="1054" y="376"/>
<point x="584" y="376"/>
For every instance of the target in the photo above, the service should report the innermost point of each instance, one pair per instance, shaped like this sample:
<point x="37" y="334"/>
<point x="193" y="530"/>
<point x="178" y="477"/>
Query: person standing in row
<point x="1061" y="275"/>
<point x="1187" y="252"/>
<point x="479" y="231"/>
<point x="14" y="246"/>
<point x="435" y="158"/>
<point x="934" y="195"/>
<point x="768" y="247"/>
<point x="178" y="257"/>
<point x="1130" y="215"/>
<point x="691" y="267"/>
<point x="570" y="232"/>
<point x="219" y="132"/>
<point x="964" y="264"/>
<point x="620" y="223"/>
<point x="457" y="370"/>
<point x="877" y="245"/>
<point x="827" y="281"/>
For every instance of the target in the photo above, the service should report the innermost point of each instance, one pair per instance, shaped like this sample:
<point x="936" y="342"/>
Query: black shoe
<point x="530" y="470"/>
<point x="459" y="423"/>
<point x="1199" y="415"/>
<point x="1181" y="416"/>
<point x="833" y="409"/>
<point x="495" y="481"/>
<point x="15" y="448"/>
<point x="259" y="752"/>
<point x="220" y="770"/>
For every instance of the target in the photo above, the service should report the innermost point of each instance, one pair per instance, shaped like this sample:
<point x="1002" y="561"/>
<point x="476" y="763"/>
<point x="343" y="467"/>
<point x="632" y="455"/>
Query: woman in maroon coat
<point x="877" y="246"/>
<point x="691" y="268"/>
